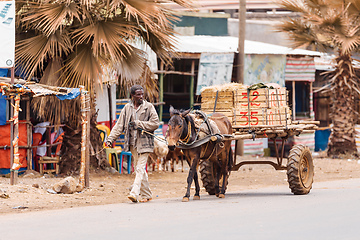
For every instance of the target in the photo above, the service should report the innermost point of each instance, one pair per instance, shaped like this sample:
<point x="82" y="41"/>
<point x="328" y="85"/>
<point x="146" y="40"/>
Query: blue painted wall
<point x="3" y="73"/>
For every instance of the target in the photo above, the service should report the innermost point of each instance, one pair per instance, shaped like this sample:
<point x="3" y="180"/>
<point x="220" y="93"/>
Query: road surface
<point x="330" y="211"/>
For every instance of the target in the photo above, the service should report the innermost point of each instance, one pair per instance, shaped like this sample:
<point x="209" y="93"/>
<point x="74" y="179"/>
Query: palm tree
<point x="69" y="43"/>
<point x="332" y="25"/>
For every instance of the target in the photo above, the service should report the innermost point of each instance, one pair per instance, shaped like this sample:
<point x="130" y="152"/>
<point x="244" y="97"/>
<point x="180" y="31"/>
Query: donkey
<point x="181" y="127"/>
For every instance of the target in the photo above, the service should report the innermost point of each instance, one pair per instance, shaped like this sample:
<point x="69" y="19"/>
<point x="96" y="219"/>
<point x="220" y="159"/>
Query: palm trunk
<point x="71" y="147"/>
<point x="342" y="111"/>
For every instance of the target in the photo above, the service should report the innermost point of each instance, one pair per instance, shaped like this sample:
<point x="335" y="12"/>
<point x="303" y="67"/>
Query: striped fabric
<point x="300" y="69"/>
<point x="308" y="139"/>
<point x="357" y="137"/>
<point x="252" y="148"/>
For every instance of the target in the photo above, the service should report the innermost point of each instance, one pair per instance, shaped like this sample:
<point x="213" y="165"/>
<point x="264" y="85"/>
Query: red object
<point x="5" y="141"/>
<point x="107" y="123"/>
<point x="58" y="147"/>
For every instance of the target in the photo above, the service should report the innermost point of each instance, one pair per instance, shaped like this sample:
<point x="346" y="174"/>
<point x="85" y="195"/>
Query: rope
<point x="149" y="133"/>
<point x="98" y="152"/>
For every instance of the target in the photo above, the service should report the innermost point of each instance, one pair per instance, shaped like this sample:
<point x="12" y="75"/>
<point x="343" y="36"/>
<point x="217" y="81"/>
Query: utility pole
<point x="241" y="46"/>
<point x="239" y="144"/>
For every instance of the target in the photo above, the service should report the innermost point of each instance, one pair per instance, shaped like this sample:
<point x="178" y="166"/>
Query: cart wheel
<point x="300" y="169"/>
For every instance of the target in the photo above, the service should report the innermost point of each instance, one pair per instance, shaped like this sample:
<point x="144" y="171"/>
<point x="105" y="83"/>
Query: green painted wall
<point x="205" y="25"/>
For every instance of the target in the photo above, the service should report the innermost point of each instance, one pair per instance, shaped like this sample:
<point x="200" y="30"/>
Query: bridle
<point x="188" y="135"/>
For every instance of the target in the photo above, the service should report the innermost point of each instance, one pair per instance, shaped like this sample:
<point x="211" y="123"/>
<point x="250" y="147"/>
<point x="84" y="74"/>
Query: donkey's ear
<point x="171" y="110"/>
<point x="184" y="113"/>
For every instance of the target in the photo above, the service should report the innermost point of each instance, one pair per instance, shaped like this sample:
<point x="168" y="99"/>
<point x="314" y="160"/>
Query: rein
<point x="149" y="133"/>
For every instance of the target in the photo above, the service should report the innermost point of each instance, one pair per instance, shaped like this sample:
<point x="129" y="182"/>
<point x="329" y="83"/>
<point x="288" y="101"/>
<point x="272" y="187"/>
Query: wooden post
<point x="48" y="141"/>
<point x="15" y="143"/>
<point x="84" y="146"/>
<point x="161" y="88"/>
<point x="12" y="176"/>
<point x="110" y="104"/>
<point x="29" y="135"/>
<point x="311" y="102"/>
<point x="83" y="137"/>
<point x="87" y="150"/>
<point x="293" y="100"/>
<point x="192" y="83"/>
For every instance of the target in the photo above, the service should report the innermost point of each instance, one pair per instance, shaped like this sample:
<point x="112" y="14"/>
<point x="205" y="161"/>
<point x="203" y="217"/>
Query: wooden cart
<point x="263" y="113"/>
<point x="299" y="166"/>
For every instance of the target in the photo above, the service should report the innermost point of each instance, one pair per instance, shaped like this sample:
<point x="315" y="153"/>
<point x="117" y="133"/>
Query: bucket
<point x="322" y="139"/>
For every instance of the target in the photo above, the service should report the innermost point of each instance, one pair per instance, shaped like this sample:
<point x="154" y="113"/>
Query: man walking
<point x="136" y="116"/>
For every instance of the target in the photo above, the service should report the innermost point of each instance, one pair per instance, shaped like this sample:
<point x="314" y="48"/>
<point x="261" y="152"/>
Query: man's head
<point x="137" y="93"/>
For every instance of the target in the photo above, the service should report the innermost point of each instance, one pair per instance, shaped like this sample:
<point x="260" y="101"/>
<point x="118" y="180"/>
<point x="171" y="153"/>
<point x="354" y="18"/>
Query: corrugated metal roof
<point x="225" y="4"/>
<point x="200" y="44"/>
<point x="36" y="89"/>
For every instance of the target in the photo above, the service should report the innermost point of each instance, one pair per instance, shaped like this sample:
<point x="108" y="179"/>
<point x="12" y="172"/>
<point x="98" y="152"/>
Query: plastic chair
<point x="104" y="131"/>
<point x="129" y="155"/>
<point x="112" y="157"/>
<point x="111" y="153"/>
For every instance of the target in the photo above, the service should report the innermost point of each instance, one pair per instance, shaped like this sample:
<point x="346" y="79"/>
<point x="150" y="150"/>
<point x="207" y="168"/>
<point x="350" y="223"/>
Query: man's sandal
<point x="132" y="198"/>
<point x="145" y="200"/>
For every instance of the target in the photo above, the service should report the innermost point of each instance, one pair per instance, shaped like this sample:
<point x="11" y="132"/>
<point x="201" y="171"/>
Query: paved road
<point x="330" y="211"/>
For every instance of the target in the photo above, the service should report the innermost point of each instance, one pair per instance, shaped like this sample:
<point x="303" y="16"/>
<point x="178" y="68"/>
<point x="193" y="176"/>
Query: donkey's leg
<point x="189" y="181"/>
<point x="172" y="165"/>
<point x="217" y="179"/>
<point x="224" y="172"/>
<point x="197" y="187"/>
<point x="190" y="177"/>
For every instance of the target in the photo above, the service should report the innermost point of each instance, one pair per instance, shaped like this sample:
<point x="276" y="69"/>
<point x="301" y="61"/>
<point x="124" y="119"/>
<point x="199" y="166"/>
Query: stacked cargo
<point x="220" y="98"/>
<point x="248" y="106"/>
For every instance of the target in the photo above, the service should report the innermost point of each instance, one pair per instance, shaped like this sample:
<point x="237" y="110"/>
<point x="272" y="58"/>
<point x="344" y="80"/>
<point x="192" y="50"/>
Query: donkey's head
<point x="176" y="126"/>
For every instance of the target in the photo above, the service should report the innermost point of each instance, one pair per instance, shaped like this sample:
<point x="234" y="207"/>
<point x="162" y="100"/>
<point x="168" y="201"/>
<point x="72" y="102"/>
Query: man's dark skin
<point x="138" y="98"/>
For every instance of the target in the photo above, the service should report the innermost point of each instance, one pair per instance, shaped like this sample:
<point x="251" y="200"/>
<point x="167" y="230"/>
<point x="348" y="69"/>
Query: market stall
<point x="16" y="143"/>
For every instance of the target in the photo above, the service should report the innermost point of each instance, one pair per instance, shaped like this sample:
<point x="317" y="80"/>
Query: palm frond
<point x="32" y="53"/>
<point x="49" y="18"/>
<point x="83" y="68"/>
<point x="86" y="36"/>
<point x="52" y="72"/>
<point x="108" y="38"/>
<point x="131" y="67"/>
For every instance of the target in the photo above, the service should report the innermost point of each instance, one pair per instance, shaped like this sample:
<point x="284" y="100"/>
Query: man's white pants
<point x="141" y="183"/>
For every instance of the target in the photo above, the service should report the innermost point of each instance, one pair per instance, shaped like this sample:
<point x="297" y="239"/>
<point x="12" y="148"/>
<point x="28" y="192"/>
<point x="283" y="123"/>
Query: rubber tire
<point x="207" y="177"/>
<point x="300" y="169"/>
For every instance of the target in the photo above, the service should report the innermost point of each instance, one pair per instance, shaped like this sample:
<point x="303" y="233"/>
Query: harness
<point x="188" y="134"/>
<point x="183" y="144"/>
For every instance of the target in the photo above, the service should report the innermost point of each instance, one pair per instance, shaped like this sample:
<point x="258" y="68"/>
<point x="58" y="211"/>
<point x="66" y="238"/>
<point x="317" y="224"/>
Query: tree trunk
<point x="71" y="146"/>
<point x="342" y="111"/>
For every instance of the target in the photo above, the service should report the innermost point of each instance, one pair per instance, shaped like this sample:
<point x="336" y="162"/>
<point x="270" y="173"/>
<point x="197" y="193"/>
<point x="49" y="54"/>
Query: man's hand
<point x="108" y="144"/>
<point x="132" y="125"/>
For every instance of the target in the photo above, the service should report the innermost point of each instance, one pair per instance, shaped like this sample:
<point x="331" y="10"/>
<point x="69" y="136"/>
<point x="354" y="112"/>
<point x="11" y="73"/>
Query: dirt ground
<point x="31" y="192"/>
